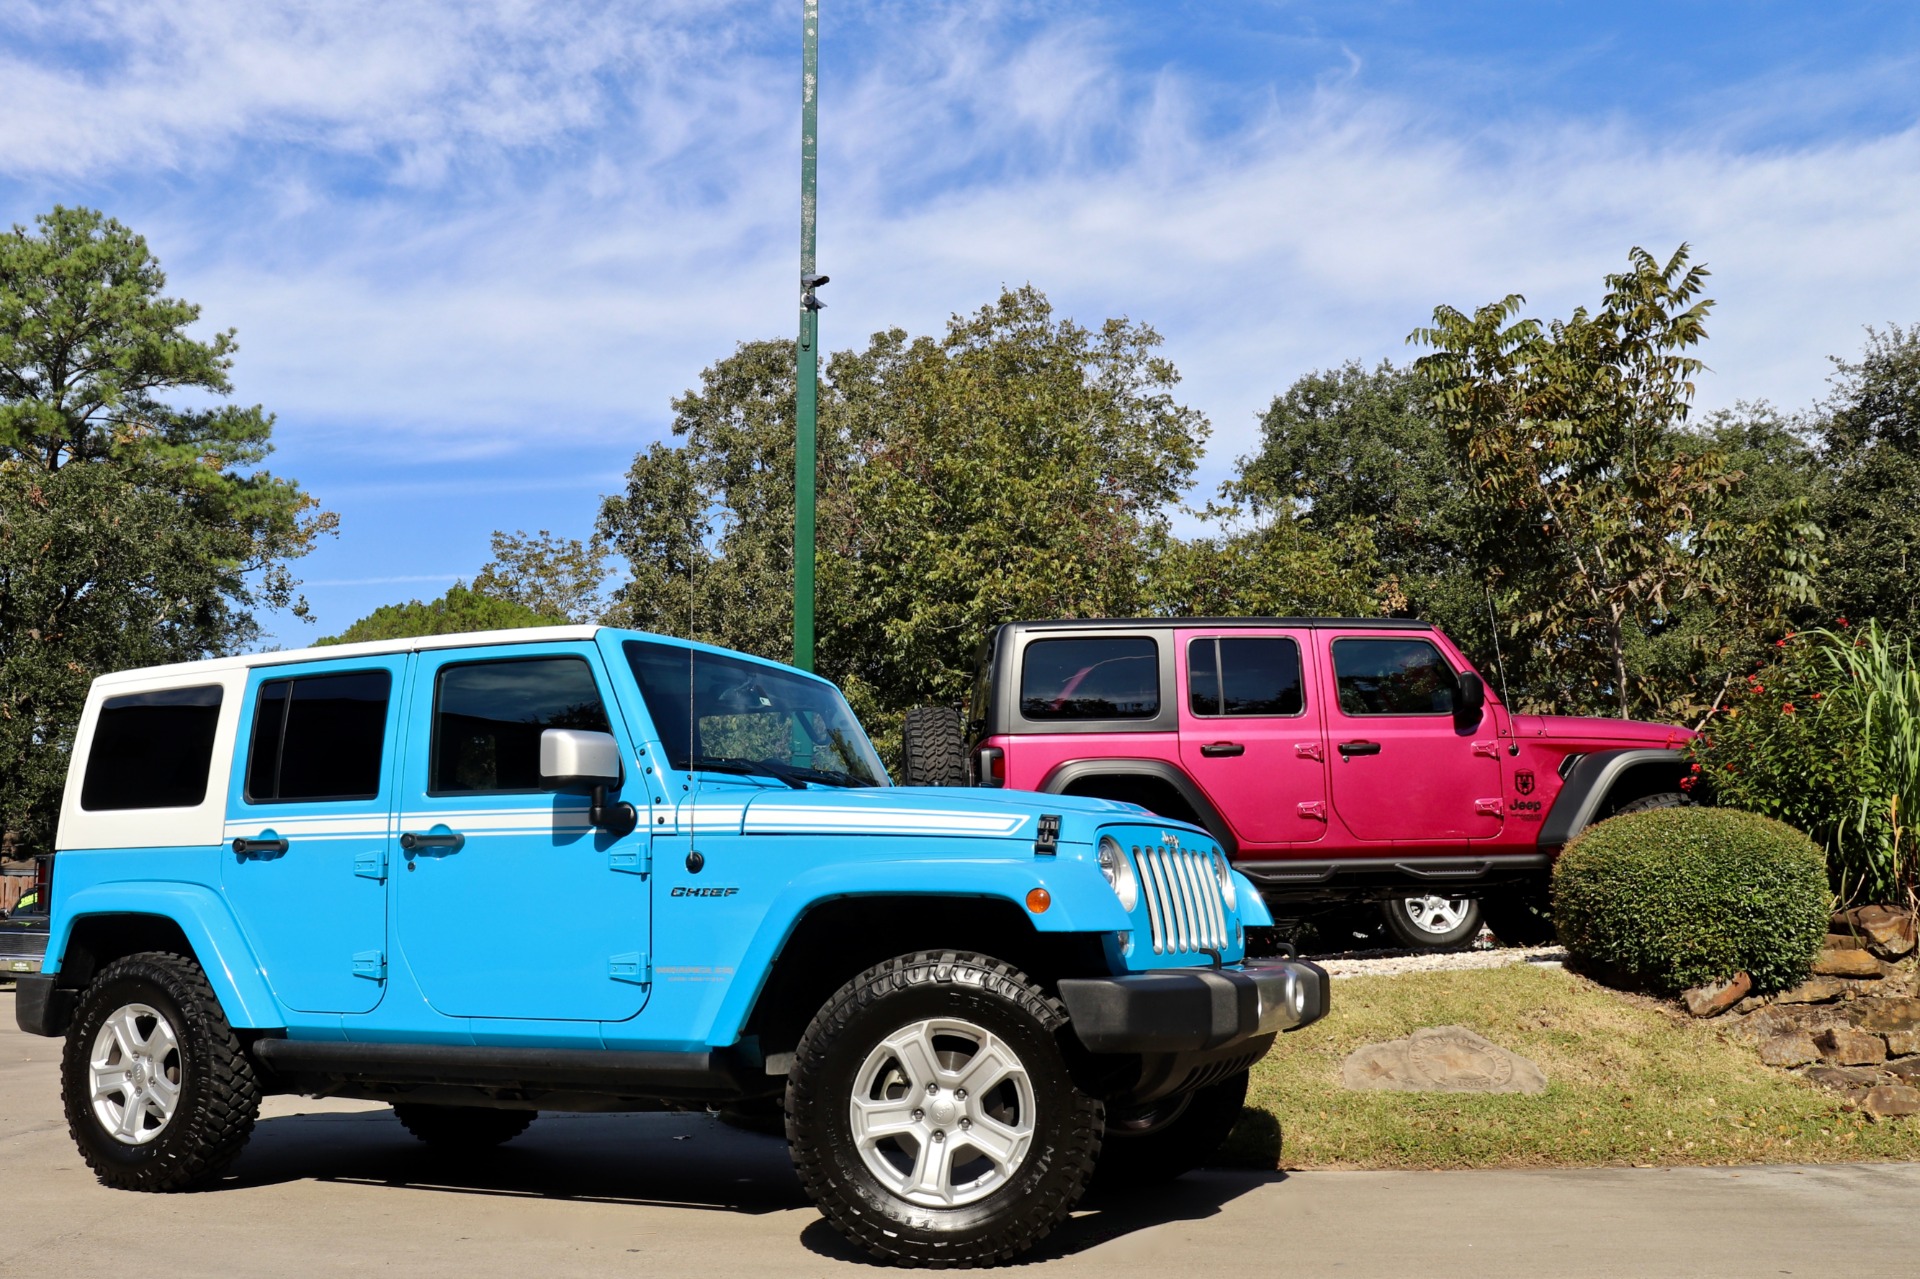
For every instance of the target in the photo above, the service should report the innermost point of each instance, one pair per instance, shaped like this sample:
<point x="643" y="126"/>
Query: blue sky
<point x="472" y="250"/>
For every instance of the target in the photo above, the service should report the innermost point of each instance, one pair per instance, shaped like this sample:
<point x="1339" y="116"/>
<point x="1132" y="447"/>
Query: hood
<point x="948" y="811"/>
<point x="1593" y="730"/>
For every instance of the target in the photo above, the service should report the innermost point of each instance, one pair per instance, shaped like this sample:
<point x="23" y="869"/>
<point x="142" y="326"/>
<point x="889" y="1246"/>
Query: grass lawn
<point x="1627" y="1084"/>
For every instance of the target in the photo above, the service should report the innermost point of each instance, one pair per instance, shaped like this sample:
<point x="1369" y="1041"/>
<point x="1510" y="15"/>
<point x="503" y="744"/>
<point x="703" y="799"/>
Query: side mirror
<point x="575" y="757"/>
<point x="1470" y="702"/>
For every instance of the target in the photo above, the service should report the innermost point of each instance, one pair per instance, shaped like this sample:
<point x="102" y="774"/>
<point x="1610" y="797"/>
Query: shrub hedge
<point x="1677" y="897"/>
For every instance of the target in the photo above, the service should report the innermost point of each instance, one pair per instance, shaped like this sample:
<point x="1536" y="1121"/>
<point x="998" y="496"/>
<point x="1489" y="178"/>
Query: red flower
<point x="1696" y="768"/>
<point x="1686" y="783"/>
<point x="1757" y="688"/>
<point x="1779" y="643"/>
<point x="1787" y="708"/>
<point x="1818" y="696"/>
<point x="1840" y="621"/>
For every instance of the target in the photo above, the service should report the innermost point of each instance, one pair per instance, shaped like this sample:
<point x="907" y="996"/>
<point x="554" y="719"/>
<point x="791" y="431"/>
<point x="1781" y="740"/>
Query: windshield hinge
<point x="1046" y="842"/>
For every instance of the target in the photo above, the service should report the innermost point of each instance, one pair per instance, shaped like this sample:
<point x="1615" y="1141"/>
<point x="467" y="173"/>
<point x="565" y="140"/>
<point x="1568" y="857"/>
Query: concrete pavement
<point x="331" y="1188"/>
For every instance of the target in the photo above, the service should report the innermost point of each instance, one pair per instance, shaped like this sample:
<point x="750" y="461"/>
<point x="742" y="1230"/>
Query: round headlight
<point x="1119" y="872"/>
<point x="1224" y="873"/>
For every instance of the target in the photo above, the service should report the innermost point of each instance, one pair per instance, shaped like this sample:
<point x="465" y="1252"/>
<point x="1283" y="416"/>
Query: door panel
<point x="1249" y="737"/>
<point x="1401" y="770"/>
<point x="310" y="801"/>
<point x="510" y="904"/>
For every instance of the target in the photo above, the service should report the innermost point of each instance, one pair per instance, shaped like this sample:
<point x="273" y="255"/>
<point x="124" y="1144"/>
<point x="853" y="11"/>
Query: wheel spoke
<point x="986" y="1068"/>
<point x="126" y="1032"/>
<point x="877" y="1120"/>
<point x="165" y="1094"/>
<point x="128" y="1126"/>
<point x="932" y="1171"/>
<point x="108" y="1087"/>
<point x="914" y="1050"/>
<point x="996" y="1141"/>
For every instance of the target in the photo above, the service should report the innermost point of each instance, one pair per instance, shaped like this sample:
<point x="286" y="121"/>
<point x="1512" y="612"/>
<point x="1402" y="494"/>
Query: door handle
<point x="258" y="846"/>
<point x="1349" y="749"/>
<point x="413" y="841"/>
<point x="1217" y="750"/>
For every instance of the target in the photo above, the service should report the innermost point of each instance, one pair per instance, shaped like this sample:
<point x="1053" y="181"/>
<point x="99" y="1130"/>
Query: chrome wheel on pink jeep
<point x="1431" y="922"/>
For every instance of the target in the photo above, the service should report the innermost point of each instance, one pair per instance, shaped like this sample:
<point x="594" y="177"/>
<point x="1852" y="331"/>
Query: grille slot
<point x="1184" y="910"/>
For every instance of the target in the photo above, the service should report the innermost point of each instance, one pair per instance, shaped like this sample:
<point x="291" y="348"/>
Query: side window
<point x="1111" y="678"/>
<point x="152" y="750"/>
<point x="488" y="717"/>
<point x="1392" y="677"/>
<point x="1244" y="676"/>
<point x="318" y="737"/>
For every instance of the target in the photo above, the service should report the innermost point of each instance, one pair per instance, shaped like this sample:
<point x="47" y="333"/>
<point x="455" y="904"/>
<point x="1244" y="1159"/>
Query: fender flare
<point x="1588" y="785"/>
<point x="210" y="928"/>
<point x="1072" y="911"/>
<point x="1064" y="774"/>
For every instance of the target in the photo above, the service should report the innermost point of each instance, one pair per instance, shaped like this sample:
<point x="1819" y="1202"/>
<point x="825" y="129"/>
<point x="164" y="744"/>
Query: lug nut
<point x="960" y="1095"/>
<point x="919" y="1114"/>
<point x="932" y="1089"/>
<point x="938" y="1135"/>
<point x="965" y="1124"/>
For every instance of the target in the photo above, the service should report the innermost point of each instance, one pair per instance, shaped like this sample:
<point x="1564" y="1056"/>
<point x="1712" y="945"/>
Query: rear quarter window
<point x="1116" y="677"/>
<point x="152" y="750"/>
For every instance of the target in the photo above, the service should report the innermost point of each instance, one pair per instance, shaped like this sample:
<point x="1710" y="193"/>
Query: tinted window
<point x="152" y="750"/>
<point x="1392" y="677"/>
<point x="746" y="713"/>
<point x="1261" y="676"/>
<point x="318" y="737"/>
<point x="1116" y="678"/>
<point x="488" y="717"/>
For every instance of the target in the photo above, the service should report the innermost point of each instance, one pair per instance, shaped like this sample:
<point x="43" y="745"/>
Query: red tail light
<point x="990" y="766"/>
<point x="43" y="882"/>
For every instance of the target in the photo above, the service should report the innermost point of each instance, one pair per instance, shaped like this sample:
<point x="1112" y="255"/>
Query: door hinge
<point x="371" y="863"/>
<point x="635" y="966"/>
<point x="1309" y="750"/>
<point x="635" y="858"/>
<point x="1490" y="749"/>
<point x="1315" y="809"/>
<point x="371" y="964"/>
<point x="1488" y="807"/>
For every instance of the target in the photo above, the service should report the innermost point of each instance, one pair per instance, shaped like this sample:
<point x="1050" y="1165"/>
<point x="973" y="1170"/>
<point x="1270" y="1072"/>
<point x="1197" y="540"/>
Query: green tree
<point x="1597" y="515"/>
<point x="1870" y="436"/>
<point x="553" y="576"/>
<point x="133" y="531"/>
<point x="461" y="609"/>
<point x="1019" y="465"/>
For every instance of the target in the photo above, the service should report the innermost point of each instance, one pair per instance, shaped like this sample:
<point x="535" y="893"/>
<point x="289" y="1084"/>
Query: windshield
<point x="751" y="719"/>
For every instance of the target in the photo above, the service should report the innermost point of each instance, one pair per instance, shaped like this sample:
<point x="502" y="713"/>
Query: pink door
<point x="1402" y="770"/>
<point x="1248" y="736"/>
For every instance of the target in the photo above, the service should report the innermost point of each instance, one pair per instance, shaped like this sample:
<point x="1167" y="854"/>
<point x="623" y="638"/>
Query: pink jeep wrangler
<point x="1339" y="760"/>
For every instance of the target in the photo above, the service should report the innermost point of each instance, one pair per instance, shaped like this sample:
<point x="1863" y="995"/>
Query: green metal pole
<point x="808" y="390"/>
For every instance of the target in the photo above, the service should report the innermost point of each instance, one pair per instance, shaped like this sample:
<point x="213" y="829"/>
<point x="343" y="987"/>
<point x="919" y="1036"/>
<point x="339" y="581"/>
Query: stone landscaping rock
<point x="1901" y="1043"/>
<point x="1842" y="1078"/>
<point x="1441" y="1059"/>
<point x="1907" y="1069"/>
<point x="1848" y="1047"/>
<point x="1793" y="1048"/>
<point x="1888" y="1100"/>
<point x="1884" y="1015"/>
<point x="1845" y="940"/>
<point x="1814" y="990"/>
<point x="1756" y="1028"/>
<point x="1715" y="998"/>
<point x="1832" y="962"/>
<point x="1886" y="931"/>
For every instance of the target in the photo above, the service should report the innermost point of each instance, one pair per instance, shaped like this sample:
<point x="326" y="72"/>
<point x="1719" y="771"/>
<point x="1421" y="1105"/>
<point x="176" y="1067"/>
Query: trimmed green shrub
<point x="1677" y="897"/>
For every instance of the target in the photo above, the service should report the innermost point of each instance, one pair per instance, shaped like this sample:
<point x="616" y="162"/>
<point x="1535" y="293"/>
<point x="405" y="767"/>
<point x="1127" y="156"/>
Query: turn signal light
<point x="1038" y="899"/>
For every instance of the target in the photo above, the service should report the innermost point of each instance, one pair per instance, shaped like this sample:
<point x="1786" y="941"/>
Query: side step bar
<point x="675" y="1076"/>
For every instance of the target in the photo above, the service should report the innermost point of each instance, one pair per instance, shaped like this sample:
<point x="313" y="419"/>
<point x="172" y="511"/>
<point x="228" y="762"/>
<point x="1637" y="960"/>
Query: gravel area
<point x="1389" y="963"/>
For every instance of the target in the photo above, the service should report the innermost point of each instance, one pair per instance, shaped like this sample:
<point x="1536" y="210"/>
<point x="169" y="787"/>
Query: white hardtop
<point x="145" y="675"/>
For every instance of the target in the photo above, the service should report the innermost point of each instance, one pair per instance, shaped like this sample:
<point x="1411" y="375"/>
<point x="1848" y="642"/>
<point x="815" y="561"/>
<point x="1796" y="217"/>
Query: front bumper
<point x="1186" y="1010"/>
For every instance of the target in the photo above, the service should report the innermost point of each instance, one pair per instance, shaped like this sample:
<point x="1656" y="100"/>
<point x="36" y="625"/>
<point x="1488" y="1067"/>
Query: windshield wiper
<point x="749" y="768"/>
<point x="830" y="777"/>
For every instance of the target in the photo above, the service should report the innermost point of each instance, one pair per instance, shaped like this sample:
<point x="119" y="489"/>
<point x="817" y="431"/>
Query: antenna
<point x="1500" y="667"/>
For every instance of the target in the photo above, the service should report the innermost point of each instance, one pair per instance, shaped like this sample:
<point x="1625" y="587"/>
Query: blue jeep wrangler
<point x="298" y="873"/>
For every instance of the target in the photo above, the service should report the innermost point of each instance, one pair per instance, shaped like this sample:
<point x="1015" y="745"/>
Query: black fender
<point x="1066" y="774"/>
<point x="1591" y="781"/>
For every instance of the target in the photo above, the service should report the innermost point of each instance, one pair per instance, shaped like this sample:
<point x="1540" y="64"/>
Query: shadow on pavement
<point x="662" y="1160"/>
<point x="672" y="1160"/>
<point x="1102" y="1217"/>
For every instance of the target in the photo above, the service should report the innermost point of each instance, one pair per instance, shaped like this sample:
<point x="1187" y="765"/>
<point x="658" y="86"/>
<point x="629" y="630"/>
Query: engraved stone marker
<point x="1440" y="1059"/>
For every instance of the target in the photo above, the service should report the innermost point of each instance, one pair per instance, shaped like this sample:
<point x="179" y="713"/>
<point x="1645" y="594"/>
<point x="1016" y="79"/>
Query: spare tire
<point x="933" y="747"/>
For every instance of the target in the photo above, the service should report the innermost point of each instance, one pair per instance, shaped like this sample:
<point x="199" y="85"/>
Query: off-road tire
<point x="1520" y="919"/>
<point x="1166" y="1139"/>
<point x="462" y="1129"/>
<point x="1648" y="803"/>
<point x="219" y="1092"/>
<point x="1410" y="935"/>
<point x="933" y="747"/>
<point x="883" y="1000"/>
